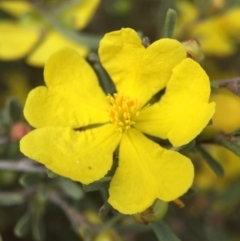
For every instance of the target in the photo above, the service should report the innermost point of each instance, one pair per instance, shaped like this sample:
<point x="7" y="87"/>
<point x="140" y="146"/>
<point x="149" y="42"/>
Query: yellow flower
<point x="30" y="35"/>
<point x="213" y="37"/>
<point x="78" y="128"/>
<point x="227" y="104"/>
<point x="217" y="33"/>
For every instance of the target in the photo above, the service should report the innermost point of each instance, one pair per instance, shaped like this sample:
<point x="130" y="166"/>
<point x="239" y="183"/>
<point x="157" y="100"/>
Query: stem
<point x="73" y="215"/>
<point x="4" y="140"/>
<point x="22" y="165"/>
<point x="231" y="84"/>
<point x="65" y="6"/>
<point x="80" y="38"/>
<point x="163" y="232"/>
<point x="112" y="221"/>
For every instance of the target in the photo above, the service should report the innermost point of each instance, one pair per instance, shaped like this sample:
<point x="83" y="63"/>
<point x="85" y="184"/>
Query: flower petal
<point x="84" y="156"/>
<point x="214" y="40"/>
<point x="16" y="40"/>
<point x="183" y="111"/>
<point x="80" y="15"/>
<point x="73" y="96"/>
<point x="53" y="42"/>
<point x="227" y="104"/>
<point x="16" y="8"/>
<point x="136" y="71"/>
<point x="146" y="171"/>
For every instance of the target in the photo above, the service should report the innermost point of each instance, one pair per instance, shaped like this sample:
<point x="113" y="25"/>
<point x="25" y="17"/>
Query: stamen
<point x="123" y="112"/>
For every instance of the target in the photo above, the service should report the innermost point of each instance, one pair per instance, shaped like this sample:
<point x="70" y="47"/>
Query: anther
<point x="123" y="112"/>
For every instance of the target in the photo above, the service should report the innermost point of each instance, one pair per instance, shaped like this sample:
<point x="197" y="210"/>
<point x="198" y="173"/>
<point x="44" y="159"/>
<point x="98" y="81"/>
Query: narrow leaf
<point x="163" y="232"/>
<point x="29" y="179"/>
<point x="70" y="188"/>
<point x="51" y="174"/>
<point x="15" y="109"/>
<point x="23" y="225"/>
<point x="221" y="139"/>
<point x="216" y="167"/>
<point x="169" y="23"/>
<point x="9" y="199"/>
<point x="187" y="147"/>
<point x="104" y="79"/>
<point x="38" y="227"/>
<point x="96" y="185"/>
<point x="214" y="84"/>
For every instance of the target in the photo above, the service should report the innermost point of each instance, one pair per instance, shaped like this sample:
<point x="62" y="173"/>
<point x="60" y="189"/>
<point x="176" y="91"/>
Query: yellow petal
<point x="231" y="23"/>
<point x="16" y="8"/>
<point x="213" y="40"/>
<point x="227" y="105"/>
<point x="84" y="156"/>
<point x="136" y="71"/>
<point x="16" y="40"/>
<point x="146" y="171"/>
<point x="52" y="43"/>
<point x="183" y="111"/>
<point x="81" y="14"/>
<point x="73" y="96"/>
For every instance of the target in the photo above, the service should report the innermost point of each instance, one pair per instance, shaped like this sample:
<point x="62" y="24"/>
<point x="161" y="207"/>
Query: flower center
<point x="123" y="112"/>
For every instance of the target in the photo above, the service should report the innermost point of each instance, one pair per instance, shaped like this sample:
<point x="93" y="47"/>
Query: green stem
<point x="65" y="6"/>
<point x="80" y="38"/>
<point x="216" y="167"/>
<point x="163" y="232"/>
<point x="112" y="221"/>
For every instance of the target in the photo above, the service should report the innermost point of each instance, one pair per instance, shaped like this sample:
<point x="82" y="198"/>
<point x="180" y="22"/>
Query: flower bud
<point x="18" y="130"/>
<point x="194" y="50"/>
<point x="154" y="213"/>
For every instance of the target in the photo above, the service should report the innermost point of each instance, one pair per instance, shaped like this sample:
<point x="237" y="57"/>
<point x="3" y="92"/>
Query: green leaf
<point x="163" y="232"/>
<point x="96" y="185"/>
<point x="187" y="147"/>
<point x="104" y="79"/>
<point x="169" y="23"/>
<point x="216" y="167"/>
<point x="29" y="179"/>
<point x="214" y="84"/>
<point x="72" y="189"/>
<point x="15" y="109"/>
<point x="38" y="227"/>
<point x="23" y="225"/>
<point x="51" y="174"/>
<point x="224" y="141"/>
<point x="9" y="199"/>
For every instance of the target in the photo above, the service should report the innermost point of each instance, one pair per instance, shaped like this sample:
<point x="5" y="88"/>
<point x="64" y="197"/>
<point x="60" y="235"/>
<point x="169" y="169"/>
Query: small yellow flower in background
<point x="31" y="36"/>
<point x="227" y="105"/>
<point x="217" y="32"/>
<point x="79" y="127"/>
<point x="227" y="115"/>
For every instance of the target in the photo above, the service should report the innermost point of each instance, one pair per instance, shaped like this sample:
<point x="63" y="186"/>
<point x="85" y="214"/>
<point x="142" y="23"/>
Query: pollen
<point x="123" y="112"/>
